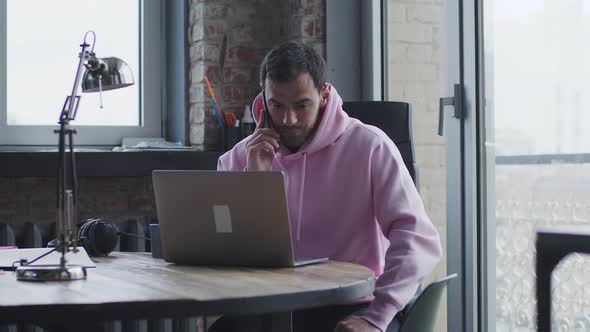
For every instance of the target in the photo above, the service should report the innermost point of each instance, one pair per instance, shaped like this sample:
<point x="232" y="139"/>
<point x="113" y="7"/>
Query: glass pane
<point x="42" y="58"/>
<point x="571" y="296"/>
<point x="415" y="75"/>
<point x="538" y="92"/>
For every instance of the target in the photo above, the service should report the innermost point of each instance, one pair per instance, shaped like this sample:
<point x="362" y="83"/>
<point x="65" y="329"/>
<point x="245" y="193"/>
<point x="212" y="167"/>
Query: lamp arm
<point x="69" y="109"/>
<point x="72" y="100"/>
<point x="66" y="198"/>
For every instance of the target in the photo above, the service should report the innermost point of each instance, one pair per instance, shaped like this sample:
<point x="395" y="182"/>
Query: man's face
<point x="294" y="108"/>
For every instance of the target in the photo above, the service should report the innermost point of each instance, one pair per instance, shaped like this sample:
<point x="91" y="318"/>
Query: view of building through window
<point x="42" y="57"/>
<point x="537" y="82"/>
<point x="537" y="77"/>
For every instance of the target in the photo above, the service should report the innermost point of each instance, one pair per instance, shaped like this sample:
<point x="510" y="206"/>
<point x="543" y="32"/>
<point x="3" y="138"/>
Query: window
<point x="39" y="57"/>
<point x="537" y="90"/>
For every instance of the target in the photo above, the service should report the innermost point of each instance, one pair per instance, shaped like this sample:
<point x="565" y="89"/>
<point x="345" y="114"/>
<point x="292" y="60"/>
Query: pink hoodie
<point x="351" y="199"/>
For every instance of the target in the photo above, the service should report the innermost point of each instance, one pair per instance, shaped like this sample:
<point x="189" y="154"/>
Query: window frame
<point x="152" y="95"/>
<point x="358" y="76"/>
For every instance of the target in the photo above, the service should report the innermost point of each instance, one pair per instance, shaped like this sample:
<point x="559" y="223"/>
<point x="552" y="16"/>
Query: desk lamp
<point x="101" y="74"/>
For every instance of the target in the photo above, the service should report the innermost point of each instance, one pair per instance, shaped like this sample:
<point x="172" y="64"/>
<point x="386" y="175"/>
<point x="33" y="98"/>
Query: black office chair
<point x="395" y="119"/>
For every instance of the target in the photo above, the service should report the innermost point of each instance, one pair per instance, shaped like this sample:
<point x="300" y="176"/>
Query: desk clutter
<point x="11" y="258"/>
<point x="150" y="144"/>
<point x="36" y="236"/>
<point x="96" y="237"/>
<point x="134" y="235"/>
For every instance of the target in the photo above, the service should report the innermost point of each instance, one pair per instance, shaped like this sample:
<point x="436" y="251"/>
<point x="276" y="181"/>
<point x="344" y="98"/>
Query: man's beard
<point x="293" y="142"/>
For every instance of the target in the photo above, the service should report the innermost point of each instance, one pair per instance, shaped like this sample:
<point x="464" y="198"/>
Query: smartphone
<point x="265" y="113"/>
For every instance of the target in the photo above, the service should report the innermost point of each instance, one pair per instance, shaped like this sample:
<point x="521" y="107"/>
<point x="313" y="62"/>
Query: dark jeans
<point x="323" y="319"/>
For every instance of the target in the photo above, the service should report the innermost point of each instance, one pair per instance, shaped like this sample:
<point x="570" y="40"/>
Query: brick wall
<point x="415" y="44"/>
<point x="121" y="200"/>
<point x="228" y="40"/>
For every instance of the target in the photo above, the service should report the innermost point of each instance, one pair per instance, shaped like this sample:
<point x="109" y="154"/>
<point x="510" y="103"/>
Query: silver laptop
<point x="224" y="218"/>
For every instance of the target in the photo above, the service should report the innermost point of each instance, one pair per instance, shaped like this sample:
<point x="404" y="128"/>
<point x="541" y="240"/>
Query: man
<point x="350" y="196"/>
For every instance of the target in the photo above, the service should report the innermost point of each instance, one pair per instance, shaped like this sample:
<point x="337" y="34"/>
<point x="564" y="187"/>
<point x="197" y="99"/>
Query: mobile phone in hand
<point x="265" y="113"/>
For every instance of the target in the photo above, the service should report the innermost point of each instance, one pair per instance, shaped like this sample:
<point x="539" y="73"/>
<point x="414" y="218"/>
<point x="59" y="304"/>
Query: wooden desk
<point x="137" y="286"/>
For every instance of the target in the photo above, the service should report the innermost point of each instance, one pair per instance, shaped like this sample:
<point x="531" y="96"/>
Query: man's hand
<point x="261" y="147"/>
<point x="356" y="324"/>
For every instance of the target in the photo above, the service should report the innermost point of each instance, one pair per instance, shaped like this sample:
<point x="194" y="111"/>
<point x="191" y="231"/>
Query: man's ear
<point x="325" y="93"/>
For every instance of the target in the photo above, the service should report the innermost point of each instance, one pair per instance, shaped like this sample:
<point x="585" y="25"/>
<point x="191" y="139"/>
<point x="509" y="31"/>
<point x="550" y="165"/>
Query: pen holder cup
<point x="155" y="240"/>
<point x="229" y="137"/>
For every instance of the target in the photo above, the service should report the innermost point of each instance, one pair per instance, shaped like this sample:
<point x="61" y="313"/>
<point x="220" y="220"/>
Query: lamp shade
<point x="114" y="75"/>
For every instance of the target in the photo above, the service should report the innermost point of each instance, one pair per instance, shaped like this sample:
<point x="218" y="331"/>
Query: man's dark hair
<point x="288" y="60"/>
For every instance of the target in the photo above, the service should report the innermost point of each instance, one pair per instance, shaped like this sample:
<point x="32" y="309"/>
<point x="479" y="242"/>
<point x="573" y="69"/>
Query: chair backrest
<point x="420" y="314"/>
<point x="395" y="119"/>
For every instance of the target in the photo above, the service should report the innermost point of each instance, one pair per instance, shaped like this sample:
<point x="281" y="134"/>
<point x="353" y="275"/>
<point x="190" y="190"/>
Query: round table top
<point x="135" y="285"/>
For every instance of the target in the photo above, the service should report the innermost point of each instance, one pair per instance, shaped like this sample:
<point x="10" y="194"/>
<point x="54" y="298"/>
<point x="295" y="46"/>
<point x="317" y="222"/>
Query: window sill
<point x="100" y="161"/>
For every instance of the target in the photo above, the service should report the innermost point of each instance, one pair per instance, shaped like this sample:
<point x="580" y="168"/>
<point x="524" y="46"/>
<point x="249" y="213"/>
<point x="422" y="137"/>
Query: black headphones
<point x="98" y="236"/>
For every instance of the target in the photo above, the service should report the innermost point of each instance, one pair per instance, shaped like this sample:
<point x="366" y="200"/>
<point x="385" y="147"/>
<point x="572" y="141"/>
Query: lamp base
<point x="50" y="273"/>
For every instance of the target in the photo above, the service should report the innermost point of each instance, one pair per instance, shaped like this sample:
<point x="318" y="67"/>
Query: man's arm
<point x="414" y="242"/>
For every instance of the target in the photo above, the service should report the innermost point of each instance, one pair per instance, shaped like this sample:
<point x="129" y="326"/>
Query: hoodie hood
<point x="333" y="121"/>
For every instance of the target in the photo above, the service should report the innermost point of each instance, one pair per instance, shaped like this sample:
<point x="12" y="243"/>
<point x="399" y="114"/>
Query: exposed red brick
<point x="43" y="201"/>
<point x="309" y="28"/>
<point x="251" y="27"/>
<point x="213" y="74"/>
<point x="313" y="7"/>
<point x="320" y="26"/>
<point x="113" y="202"/>
<point x="86" y="203"/>
<point x="244" y="11"/>
<point x="214" y="10"/>
<point x="8" y="202"/>
<point x="214" y="30"/>
<point x="34" y="200"/>
<point x="7" y="185"/>
<point x="142" y="202"/>
<point x="211" y="1"/>
<point x="35" y="184"/>
<point x="242" y="33"/>
<point x="236" y="94"/>
<point x="238" y="75"/>
<point x="6" y="217"/>
<point x="243" y="54"/>
<point x="212" y="52"/>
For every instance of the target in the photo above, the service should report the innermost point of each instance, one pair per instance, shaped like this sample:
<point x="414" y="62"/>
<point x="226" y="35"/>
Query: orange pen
<point x="214" y="99"/>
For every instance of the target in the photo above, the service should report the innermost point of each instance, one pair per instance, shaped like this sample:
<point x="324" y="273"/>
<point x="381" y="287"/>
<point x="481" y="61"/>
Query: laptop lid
<point x="223" y="218"/>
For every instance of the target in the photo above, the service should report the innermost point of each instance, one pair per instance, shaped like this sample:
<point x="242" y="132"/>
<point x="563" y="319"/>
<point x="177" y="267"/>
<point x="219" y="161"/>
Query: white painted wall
<point x="415" y="49"/>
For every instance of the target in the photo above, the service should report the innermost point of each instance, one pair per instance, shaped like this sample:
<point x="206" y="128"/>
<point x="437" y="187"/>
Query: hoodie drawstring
<point x="301" y="190"/>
